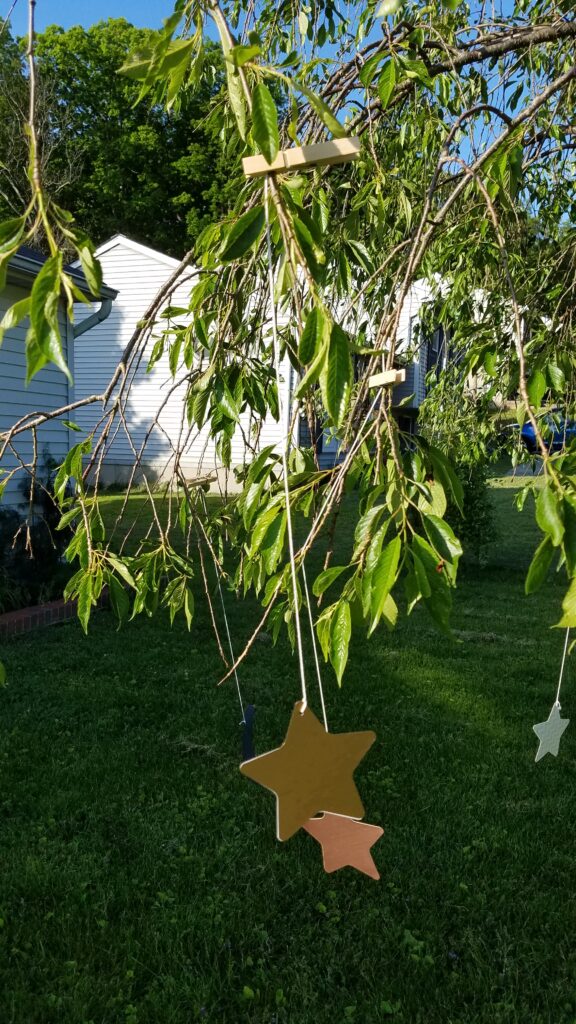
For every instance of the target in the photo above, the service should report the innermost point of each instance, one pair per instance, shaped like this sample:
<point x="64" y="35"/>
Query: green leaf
<point x="383" y="579"/>
<point x="326" y="578"/>
<point x="240" y="55"/>
<point x="386" y="83"/>
<point x="119" y="599"/>
<point x="91" y="268"/>
<point x="539" y="566"/>
<point x="438" y="504"/>
<point x="556" y="377"/>
<point x="265" y="122"/>
<point x="340" y="631"/>
<point x="188" y="606"/>
<point x="365" y="527"/>
<point x="2" y="674"/>
<point x="536" y="388"/>
<point x="336" y="375"/>
<point x="272" y="543"/>
<point x="323" y="111"/>
<point x="445" y="473"/>
<point x="388" y="7"/>
<point x="442" y="538"/>
<point x="416" y="69"/>
<point x="548" y="515"/>
<point x="390" y="611"/>
<point x="569" y="607"/>
<point x="43" y="342"/>
<point x="11" y="232"/>
<point x="424" y="588"/>
<point x="14" y="315"/>
<point x="261" y="525"/>
<point x="313" y="372"/>
<point x="122" y="570"/>
<point x="85" y="600"/>
<point x="439" y="600"/>
<point x="369" y="69"/>
<point x="243" y="234"/>
<point x="313" y="335"/>
<point x="68" y="517"/>
<point x="570" y="535"/>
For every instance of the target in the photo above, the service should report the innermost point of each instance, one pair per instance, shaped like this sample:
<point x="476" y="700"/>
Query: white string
<point x="314" y="647"/>
<point x="557" y="701"/>
<point x="276" y="348"/>
<point x="232" y="655"/>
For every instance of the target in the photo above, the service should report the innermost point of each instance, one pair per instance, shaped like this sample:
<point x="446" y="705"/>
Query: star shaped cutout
<point x="345" y="842"/>
<point x="311" y="772"/>
<point x="550" y="732"/>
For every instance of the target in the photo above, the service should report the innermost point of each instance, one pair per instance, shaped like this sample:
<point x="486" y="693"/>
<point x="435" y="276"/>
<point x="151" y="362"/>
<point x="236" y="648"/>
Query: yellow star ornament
<point x="311" y="771"/>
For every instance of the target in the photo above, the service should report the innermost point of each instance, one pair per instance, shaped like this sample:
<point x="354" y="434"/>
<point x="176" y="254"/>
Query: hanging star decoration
<point x="312" y="772"/>
<point x="550" y="732"/>
<point x="345" y="843"/>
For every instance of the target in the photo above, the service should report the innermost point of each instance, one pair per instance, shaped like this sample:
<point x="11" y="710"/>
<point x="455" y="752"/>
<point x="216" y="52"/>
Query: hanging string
<point x="314" y="647"/>
<point x="276" y="349"/>
<point x="225" y="616"/>
<point x="557" y="701"/>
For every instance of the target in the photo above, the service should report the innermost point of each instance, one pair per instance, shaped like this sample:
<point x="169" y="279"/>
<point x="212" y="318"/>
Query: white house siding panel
<point x="47" y="391"/>
<point x="138" y="276"/>
<point x="415" y="383"/>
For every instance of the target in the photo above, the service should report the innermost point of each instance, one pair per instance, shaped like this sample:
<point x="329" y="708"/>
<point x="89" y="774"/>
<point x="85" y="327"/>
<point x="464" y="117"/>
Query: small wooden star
<point x="345" y="842"/>
<point x="310" y="772"/>
<point x="550" y="732"/>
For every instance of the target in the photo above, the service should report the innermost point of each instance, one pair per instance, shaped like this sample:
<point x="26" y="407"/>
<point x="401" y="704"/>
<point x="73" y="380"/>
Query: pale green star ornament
<point x="550" y="732"/>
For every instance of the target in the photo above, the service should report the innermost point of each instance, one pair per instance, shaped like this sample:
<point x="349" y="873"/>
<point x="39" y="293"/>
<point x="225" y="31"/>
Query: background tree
<point x="117" y="165"/>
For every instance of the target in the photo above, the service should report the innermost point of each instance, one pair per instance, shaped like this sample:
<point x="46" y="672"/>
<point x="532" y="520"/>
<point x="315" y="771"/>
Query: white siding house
<point x="138" y="273"/>
<point x="47" y="391"/>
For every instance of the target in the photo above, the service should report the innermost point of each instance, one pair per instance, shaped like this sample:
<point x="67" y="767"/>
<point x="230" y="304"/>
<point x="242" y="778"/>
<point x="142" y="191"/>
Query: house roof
<point x="26" y="264"/>
<point x="142" y="250"/>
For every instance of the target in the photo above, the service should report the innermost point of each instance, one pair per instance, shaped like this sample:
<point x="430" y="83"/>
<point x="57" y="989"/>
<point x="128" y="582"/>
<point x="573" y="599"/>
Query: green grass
<point x="141" y="882"/>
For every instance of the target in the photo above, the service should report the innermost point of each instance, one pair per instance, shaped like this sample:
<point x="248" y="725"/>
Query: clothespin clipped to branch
<point x="297" y="158"/>
<point x="387" y="378"/>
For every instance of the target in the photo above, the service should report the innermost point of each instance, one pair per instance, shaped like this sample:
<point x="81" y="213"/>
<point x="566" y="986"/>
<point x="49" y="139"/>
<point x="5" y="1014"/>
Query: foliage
<point x="476" y="524"/>
<point x="465" y="184"/>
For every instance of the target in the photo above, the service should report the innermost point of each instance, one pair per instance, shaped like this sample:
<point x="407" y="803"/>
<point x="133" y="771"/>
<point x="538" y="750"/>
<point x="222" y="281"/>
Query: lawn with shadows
<point x="141" y="882"/>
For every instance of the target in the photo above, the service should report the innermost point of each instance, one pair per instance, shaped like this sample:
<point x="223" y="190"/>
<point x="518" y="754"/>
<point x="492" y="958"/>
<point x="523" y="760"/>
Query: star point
<point x="345" y="842"/>
<point x="311" y="771"/>
<point x="550" y="733"/>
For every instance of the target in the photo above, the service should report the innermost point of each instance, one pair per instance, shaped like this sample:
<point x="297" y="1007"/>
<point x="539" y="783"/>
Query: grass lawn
<point x="141" y="882"/>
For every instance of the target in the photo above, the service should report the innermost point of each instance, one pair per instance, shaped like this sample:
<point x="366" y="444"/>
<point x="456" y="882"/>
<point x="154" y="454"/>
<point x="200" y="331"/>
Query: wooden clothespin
<point x="337" y="151"/>
<point x="387" y="378"/>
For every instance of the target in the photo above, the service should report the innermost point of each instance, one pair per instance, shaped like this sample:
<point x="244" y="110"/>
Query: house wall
<point x="138" y="275"/>
<point x="48" y="390"/>
<point x="415" y="383"/>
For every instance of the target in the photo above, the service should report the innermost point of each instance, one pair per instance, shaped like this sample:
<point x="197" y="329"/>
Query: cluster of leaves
<point x="465" y="122"/>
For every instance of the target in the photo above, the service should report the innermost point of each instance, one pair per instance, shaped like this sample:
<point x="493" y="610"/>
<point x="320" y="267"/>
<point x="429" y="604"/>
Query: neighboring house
<point x="138" y="273"/>
<point x="49" y="389"/>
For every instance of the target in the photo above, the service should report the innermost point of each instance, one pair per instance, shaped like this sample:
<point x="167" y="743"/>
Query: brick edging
<point x="25" y="620"/>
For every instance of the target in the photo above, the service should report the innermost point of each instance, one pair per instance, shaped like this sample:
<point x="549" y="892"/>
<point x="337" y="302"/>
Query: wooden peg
<point x="337" y="151"/>
<point x="379" y="380"/>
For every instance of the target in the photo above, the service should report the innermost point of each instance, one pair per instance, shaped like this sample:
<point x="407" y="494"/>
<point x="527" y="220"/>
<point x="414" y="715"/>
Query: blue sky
<point x="144" y="13"/>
